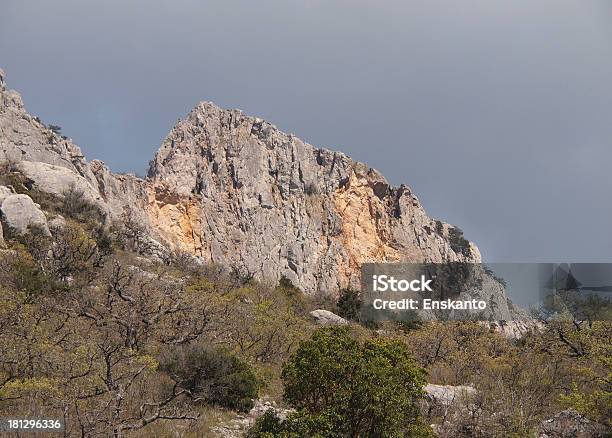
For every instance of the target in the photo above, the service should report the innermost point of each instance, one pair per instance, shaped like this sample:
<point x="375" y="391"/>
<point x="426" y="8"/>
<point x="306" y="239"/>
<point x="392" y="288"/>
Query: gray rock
<point x="5" y="192"/>
<point x="57" y="180"/>
<point x="238" y="426"/>
<point x="446" y="395"/>
<point x="571" y="424"/>
<point x="325" y="317"/>
<point x="25" y="138"/>
<point x="518" y="328"/>
<point x="252" y="196"/>
<point x="236" y="191"/>
<point x="19" y="213"/>
<point x="56" y="223"/>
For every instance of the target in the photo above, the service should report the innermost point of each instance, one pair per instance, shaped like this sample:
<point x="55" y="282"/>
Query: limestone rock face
<point x="58" y="180"/>
<point x="237" y="191"/>
<point x="53" y="162"/>
<point x="26" y="138"/>
<point x="19" y="213"/>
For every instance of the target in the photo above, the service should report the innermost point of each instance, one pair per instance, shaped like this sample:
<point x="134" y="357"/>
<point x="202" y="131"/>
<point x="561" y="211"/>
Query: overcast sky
<point x="497" y="113"/>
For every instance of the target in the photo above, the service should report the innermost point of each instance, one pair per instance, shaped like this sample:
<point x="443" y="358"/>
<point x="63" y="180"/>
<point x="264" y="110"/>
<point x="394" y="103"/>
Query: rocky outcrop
<point x="26" y="138"/>
<point x="238" y="426"/>
<point x="235" y="190"/>
<point x="516" y="328"/>
<point x="446" y="395"/>
<point x="58" y="181"/>
<point x="571" y="424"/>
<point x="325" y="317"/>
<point x="20" y="214"/>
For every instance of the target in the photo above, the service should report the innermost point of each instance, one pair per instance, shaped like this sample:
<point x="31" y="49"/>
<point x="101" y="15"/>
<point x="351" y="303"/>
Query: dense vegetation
<point x="99" y="331"/>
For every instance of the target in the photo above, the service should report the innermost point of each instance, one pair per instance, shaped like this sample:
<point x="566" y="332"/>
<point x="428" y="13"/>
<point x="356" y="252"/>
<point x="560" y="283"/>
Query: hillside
<point x="217" y="298"/>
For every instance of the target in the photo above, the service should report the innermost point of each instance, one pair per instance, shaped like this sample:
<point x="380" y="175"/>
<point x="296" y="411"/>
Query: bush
<point x="297" y="425"/>
<point x="349" y="304"/>
<point x="76" y="206"/>
<point x="21" y="272"/>
<point x="459" y="243"/>
<point x="268" y="425"/>
<point x="351" y="388"/>
<point x="311" y="189"/>
<point x="56" y="129"/>
<point x="297" y="298"/>
<point x="492" y="274"/>
<point x="213" y="376"/>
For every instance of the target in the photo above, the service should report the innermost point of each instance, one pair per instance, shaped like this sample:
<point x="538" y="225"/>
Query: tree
<point x="353" y="388"/>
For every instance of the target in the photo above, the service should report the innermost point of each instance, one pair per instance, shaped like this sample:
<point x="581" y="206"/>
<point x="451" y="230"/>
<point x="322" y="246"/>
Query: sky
<point x="497" y="113"/>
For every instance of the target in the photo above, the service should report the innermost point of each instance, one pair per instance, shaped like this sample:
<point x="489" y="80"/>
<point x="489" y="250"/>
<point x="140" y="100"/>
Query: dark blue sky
<point x="497" y="113"/>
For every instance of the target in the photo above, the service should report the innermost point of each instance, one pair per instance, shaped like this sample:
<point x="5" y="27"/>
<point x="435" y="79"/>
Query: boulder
<point x="325" y="317"/>
<point x="446" y="395"/>
<point x="58" y="180"/>
<point x="19" y="213"/>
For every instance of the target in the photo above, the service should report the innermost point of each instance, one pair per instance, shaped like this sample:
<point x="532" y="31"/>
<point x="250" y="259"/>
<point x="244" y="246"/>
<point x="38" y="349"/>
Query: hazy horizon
<point x="498" y="115"/>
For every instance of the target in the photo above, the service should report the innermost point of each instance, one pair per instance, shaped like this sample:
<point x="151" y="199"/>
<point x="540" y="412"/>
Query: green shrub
<point x="25" y="275"/>
<point x="459" y="243"/>
<point x="268" y="425"/>
<point x="297" y="425"/>
<point x="75" y="205"/>
<point x="213" y="376"/>
<point x="297" y="299"/>
<point x="351" y="388"/>
<point x="495" y="277"/>
<point x="349" y="304"/>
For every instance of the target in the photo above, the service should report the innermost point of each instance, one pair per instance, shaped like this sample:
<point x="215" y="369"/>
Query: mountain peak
<point x="252" y="196"/>
<point x="237" y="191"/>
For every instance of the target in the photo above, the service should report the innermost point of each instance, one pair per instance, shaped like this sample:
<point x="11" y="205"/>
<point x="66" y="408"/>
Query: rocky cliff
<point x="235" y="190"/>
